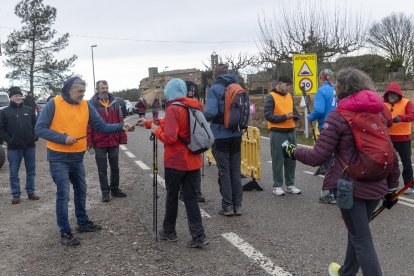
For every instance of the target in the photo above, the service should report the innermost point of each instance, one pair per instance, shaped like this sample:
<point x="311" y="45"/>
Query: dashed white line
<point x="406" y="204"/>
<point x="406" y="199"/>
<point x="130" y="154"/>
<point x="142" y="165"/>
<point x="123" y="147"/>
<point x="160" y="180"/>
<point x="255" y="255"/>
<point x="204" y="214"/>
<point x="308" y="172"/>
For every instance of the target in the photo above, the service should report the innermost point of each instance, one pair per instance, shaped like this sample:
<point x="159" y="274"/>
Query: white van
<point x="4" y="100"/>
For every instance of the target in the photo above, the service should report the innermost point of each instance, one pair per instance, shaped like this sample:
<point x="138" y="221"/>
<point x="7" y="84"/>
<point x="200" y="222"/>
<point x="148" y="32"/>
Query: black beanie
<point x="285" y="79"/>
<point x="220" y="69"/>
<point x="15" y="90"/>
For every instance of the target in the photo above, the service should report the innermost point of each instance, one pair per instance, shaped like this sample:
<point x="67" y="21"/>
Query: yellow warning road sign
<point x="305" y="73"/>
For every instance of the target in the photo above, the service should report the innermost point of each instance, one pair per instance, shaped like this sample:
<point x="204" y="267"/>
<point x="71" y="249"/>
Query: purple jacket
<point x="337" y="137"/>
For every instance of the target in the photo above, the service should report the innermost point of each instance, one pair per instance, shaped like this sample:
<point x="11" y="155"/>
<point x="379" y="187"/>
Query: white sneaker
<point x="293" y="190"/>
<point x="278" y="191"/>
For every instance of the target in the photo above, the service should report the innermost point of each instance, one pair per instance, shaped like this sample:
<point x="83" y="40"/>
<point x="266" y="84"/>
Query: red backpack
<point x="375" y="153"/>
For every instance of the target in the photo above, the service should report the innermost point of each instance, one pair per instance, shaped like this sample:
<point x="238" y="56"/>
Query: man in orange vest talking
<point x="63" y="123"/>
<point x="281" y="114"/>
<point x="402" y="110"/>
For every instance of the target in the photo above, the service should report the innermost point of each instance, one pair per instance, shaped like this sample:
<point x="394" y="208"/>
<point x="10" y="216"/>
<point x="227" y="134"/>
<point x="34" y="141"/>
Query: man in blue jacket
<point x="63" y="123"/>
<point x="227" y="146"/>
<point x="325" y="101"/>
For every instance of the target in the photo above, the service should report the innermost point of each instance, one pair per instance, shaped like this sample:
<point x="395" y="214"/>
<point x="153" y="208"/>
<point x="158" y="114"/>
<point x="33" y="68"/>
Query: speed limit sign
<point x="307" y="83"/>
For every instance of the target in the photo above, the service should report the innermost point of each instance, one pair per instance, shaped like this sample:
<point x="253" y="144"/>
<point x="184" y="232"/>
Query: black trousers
<point x="174" y="179"/>
<point x="101" y="157"/>
<point x="404" y="151"/>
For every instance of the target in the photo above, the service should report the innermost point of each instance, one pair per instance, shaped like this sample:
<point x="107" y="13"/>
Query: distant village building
<point x="153" y="86"/>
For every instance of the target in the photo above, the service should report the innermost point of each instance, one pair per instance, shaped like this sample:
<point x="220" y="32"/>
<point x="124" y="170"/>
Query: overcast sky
<point x="119" y="26"/>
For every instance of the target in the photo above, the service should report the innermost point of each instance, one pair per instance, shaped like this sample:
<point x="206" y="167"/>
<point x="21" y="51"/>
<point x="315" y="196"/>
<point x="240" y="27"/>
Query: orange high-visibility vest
<point x="283" y="105"/>
<point x="70" y="119"/>
<point x="401" y="128"/>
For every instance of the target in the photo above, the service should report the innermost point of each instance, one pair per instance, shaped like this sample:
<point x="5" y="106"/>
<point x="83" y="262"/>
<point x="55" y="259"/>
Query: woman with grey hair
<point x="354" y="90"/>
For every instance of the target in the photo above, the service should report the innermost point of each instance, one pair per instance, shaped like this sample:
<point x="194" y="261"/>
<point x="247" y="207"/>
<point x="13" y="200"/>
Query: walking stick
<point x="400" y="192"/>
<point x="302" y="88"/>
<point x="154" y="185"/>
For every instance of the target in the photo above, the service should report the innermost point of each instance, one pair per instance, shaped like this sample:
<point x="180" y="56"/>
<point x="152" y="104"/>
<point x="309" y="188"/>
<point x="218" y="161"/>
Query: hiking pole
<point x="302" y="88"/>
<point x="154" y="184"/>
<point x="400" y="192"/>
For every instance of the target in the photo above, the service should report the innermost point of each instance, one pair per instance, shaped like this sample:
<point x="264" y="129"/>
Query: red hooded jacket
<point x="407" y="116"/>
<point x="176" y="154"/>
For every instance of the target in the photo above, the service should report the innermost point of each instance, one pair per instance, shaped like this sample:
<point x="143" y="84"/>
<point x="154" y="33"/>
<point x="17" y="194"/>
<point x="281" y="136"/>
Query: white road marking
<point x="255" y="255"/>
<point x="308" y="172"/>
<point x="270" y="161"/>
<point x="406" y="199"/>
<point x="130" y="154"/>
<point x="406" y="204"/>
<point x="204" y="214"/>
<point x="263" y="137"/>
<point x="123" y="147"/>
<point x="142" y="165"/>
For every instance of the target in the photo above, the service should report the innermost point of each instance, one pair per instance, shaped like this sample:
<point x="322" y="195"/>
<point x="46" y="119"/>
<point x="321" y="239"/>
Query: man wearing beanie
<point x="182" y="167"/>
<point x="227" y="146"/>
<point x="17" y="123"/>
<point x="281" y="115"/>
<point x="63" y="123"/>
<point x="402" y="111"/>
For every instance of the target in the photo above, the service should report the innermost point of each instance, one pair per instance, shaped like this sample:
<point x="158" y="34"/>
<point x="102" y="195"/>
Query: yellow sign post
<point x="305" y="73"/>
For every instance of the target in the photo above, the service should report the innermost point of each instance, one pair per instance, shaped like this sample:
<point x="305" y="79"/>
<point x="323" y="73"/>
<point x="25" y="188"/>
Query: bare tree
<point x="394" y="35"/>
<point x="309" y="28"/>
<point x="235" y="62"/>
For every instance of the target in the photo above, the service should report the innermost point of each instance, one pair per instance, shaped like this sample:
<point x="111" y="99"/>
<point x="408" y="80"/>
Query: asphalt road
<point x="294" y="234"/>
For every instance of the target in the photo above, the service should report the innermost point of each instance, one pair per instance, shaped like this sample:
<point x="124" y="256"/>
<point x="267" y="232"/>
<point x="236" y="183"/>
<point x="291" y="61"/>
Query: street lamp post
<point x="93" y="68"/>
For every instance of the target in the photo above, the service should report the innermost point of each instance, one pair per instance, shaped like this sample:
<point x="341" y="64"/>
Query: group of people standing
<point x="71" y="125"/>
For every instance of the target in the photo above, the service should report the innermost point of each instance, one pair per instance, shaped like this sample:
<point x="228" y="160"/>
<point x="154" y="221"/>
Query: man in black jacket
<point x="17" y="123"/>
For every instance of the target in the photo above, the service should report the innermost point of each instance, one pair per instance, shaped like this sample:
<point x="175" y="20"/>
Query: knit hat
<point x="15" y="90"/>
<point x="220" y="69"/>
<point x="327" y="75"/>
<point x="285" y="79"/>
<point x="175" y="88"/>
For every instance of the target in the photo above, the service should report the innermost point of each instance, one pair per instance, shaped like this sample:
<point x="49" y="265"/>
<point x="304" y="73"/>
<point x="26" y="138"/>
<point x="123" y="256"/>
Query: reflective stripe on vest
<point x="401" y="128"/>
<point x="70" y="119"/>
<point x="283" y="105"/>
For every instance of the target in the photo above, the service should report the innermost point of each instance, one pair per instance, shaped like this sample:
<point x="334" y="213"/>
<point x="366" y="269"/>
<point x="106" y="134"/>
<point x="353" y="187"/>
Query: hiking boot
<point x="118" y="193"/>
<point x="16" y="200"/>
<point x="238" y="210"/>
<point x="334" y="269"/>
<point x="89" y="227"/>
<point x="172" y="237"/>
<point x="227" y="211"/>
<point x="199" y="242"/>
<point x="278" y="191"/>
<point x="201" y="198"/>
<point x="327" y="199"/>
<point x="293" y="190"/>
<point x="409" y="191"/>
<point x="69" y="239"/>
<point x="320" y="171"/>
<point x="33" y="196"/>
<point x="106" y="198"/>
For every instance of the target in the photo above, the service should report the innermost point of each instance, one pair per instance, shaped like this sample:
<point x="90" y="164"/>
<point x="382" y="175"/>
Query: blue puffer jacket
<point x="325" y="102"/>
<point x="214" y="108"/>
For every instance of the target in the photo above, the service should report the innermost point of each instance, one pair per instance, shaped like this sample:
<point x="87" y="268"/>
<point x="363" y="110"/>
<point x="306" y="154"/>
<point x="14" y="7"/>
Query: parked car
<point x="128" y="105"/>
<point x="134" y="109"/>
<point x="4" y="102"/>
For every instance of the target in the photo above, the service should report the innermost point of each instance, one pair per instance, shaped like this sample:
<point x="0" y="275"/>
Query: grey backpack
<point x="201" y="137"/>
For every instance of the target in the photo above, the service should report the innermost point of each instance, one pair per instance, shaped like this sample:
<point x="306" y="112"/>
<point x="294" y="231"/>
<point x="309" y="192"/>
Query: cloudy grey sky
<point x="119" y="28"/>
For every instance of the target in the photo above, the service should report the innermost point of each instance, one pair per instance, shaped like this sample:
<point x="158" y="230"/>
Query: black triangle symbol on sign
<point x="305" y="70"/>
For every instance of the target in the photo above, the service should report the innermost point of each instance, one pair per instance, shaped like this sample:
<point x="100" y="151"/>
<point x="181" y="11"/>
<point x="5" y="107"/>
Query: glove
<point x="388" y="202"/>
<point x="295" y="117"/>
<point x="288" y="150"/>
<point x="396" y="119"/>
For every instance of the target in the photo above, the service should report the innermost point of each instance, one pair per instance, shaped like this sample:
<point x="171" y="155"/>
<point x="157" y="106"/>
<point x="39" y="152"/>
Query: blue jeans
<point x="15" y="157"/>
<point x="64" y="173"/>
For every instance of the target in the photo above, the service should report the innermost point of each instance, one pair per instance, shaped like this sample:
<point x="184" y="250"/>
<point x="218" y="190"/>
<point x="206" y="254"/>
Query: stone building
<point x="153" y="86"/>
